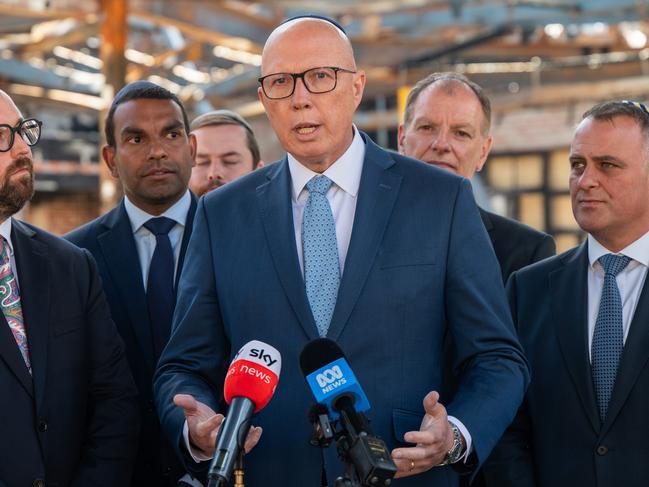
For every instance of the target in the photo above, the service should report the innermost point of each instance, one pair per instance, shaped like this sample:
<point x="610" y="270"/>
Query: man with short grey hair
<point x="447" y="123"/>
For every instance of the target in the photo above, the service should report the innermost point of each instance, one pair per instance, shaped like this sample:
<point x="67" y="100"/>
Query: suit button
<point x="42" y="427"/>
<point x="602" y="450"/>
<point x="38" y="483"/>
<point x="167" y="470"/>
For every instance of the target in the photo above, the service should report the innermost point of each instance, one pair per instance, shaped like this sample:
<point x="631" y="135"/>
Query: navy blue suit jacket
<point x="110" y="240"/>
<point x="406" y="284"/>
<point x="74" y="421"/>
<point x="557" y="439"/>
<point x="516" y="245"/>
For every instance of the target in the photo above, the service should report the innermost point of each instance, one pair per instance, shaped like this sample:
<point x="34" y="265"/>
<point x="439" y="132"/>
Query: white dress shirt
<point x="145" y="240"/>
<point x="345" y="174"/>
<point x="630" y="281"/>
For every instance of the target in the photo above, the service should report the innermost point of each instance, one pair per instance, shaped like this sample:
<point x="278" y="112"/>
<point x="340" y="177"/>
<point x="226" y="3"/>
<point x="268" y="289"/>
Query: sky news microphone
<point x="335" y="386"/>
<point x="249" y="385"/>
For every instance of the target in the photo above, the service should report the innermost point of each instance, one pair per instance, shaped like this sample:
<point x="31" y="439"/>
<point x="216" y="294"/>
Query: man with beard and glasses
<point x="226" y="149"/>
<point x="140" y="245"/>
<point x="68" y="414"/>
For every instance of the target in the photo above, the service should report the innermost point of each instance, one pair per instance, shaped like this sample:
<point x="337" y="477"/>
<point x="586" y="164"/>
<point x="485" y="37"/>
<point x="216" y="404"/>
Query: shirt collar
<point x="638" y="250"/>
<point x="177" y="212"/>
<point x="5" y="231"/>
<point x="344" y="173"/>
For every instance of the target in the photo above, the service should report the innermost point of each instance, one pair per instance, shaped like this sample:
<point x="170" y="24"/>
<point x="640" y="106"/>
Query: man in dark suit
<point x="68" y="415"/>
<point x="341" y="249"/>
<point x="582" y="317"/>
<point x="149" y="149"/>
<point x="447" y="123"/>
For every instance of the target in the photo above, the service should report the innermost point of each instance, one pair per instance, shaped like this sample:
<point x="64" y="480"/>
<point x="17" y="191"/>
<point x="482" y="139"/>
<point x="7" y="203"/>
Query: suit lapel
<point x="118" y="248"/>
<point x="274" y="202"/>
<point x="634" y="358"/>
<point x="189" y="222"/>
<point x="568" y="286"/>
<point x="10" y="354"/>
<point x="34" y="282"/>
<point x="488" y="224"/>
<point x="377" y="193"/>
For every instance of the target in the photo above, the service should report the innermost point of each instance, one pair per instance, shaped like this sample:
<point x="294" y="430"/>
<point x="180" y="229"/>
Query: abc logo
<point x="329" y="376"/>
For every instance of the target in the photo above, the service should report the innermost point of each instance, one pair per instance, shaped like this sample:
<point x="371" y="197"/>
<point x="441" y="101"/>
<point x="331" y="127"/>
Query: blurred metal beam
<point x="77" y="35"/>
<point x="201" y="33"/>
<point x="15" y="10"/>
<point x="476" y="40"/>
<point x="22" y="72"/>
<point x="114" y="33"/>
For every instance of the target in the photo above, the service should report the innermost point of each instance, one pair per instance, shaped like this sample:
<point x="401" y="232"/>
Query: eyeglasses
<point x="637" y="104"/>
<point x="29" y="130"/>
<point x="316" y="80"/>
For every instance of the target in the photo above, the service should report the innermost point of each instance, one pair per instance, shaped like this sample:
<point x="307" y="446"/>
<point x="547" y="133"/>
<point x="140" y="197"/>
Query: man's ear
<point x="108" y="154"/>
<point x="486" y="148"/>
<point x="401" y="136"/>
<point x="192" y="147"/>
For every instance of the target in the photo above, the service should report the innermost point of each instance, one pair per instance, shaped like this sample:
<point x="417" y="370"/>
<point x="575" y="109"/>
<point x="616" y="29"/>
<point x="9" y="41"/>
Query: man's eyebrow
<point x="173" y="125"/>
<point x="226" y="154"/>
<point x="607" y="157"/>
<point x="129" y="130"/>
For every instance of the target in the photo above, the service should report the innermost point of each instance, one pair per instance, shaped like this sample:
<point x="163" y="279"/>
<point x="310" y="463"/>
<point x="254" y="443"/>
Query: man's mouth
<point x="158" y="172"/>
<point x="306" y="129"/>
<point x="442" y="163"/>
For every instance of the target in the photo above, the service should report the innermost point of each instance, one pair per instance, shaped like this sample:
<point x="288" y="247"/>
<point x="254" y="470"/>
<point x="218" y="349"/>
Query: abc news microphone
<point x="249" y="385"/>
<point x="342" y="401"/>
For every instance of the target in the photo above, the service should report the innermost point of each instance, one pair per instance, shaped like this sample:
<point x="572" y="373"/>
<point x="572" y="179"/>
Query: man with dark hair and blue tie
<point x="68" y="407"/>
<point x="381" y="253"/>
<point x="582" y="318"/>
<point x="140" y="245"/>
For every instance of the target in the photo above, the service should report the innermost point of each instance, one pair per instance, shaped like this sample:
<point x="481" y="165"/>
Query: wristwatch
<point x="457" y="449"/>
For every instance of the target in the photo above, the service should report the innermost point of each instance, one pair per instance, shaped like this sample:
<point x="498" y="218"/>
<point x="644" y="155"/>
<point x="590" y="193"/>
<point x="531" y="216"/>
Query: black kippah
<point x="318" y="17"/>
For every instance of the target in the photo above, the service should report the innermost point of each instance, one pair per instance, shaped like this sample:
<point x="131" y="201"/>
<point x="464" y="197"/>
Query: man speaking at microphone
<point x="381" y="253"/>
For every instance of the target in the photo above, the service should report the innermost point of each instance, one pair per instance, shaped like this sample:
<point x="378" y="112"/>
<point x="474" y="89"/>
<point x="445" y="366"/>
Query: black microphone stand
<point x="367" y="460"/>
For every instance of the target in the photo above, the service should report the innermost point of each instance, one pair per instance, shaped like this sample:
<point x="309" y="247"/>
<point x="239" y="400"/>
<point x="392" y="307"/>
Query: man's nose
<point x="301" y="97"/>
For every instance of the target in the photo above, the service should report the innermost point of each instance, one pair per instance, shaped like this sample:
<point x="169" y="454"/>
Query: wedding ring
<point x="412" y="465"/>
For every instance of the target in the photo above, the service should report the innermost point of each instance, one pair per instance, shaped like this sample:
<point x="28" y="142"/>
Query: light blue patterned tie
<point x="608" y="337"/>
<point x="321" y="267"/>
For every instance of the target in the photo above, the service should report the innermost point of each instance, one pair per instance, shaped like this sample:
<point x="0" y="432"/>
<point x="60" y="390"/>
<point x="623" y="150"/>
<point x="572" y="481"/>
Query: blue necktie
<point x="608" y="337"/>
<point x="321" y="267"/>
<point x="160" y="283"/>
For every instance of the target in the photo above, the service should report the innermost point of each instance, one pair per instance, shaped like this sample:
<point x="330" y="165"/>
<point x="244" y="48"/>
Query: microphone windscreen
<point x="318" y="353"/>
<point x="330" y="377"/>
<point x="253" y="374"/>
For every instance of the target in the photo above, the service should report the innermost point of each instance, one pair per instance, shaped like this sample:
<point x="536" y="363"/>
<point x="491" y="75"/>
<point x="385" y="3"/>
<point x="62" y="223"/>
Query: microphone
<point x="330" y="377"/>
<point x="336" y="388"/>
<point x="249" y="384"/>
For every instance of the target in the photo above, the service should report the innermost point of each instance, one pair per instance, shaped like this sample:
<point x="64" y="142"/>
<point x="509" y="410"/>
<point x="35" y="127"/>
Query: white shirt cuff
<point x="197" y="455"/>
<point x="465" y="434"/>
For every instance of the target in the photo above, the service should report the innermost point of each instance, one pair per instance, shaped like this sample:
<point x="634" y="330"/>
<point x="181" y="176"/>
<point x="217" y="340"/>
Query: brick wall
<point x="59" y="213"/>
